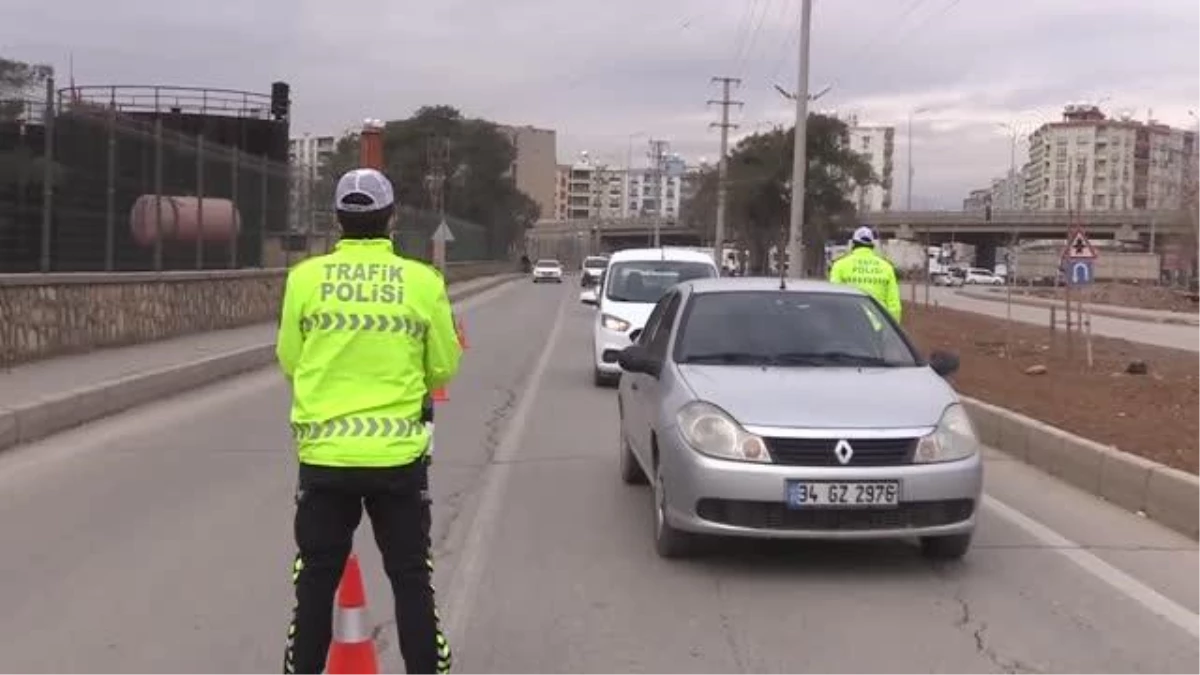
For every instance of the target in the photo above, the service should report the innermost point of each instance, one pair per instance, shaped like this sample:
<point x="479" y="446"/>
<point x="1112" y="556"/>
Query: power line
<point x="723" y="165"/>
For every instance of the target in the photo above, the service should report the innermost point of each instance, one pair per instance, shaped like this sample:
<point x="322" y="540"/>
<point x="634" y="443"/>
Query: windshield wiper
<point x="829" y="357"/>
<point x="737" y="358"/>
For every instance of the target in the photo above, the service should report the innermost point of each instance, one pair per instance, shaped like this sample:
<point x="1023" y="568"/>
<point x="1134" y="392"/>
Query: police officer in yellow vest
<point x="869" y="271"/>
<point x="364" y="336"/>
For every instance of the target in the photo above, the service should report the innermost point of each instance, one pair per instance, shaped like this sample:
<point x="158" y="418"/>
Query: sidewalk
<point x="44" y="397"/>
<point x="1098" y="309"/>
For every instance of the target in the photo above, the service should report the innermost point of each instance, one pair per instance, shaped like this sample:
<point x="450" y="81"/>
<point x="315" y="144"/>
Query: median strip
<point x="32" y="421"/>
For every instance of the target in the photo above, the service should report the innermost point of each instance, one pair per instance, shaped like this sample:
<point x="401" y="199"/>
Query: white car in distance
<point x="978" y="275"/>
<point x="630" y="286"/>
<point x="548" y="270"/>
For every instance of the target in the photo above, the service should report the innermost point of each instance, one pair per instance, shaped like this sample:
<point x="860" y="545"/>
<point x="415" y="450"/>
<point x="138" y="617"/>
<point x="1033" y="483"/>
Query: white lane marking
<point x="1135" y="590"/>
<point x="468" y="573"/>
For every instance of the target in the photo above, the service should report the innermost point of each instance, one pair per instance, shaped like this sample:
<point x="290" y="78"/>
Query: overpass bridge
<point x="985" y="231"/>
<point x="1127" y="225"/>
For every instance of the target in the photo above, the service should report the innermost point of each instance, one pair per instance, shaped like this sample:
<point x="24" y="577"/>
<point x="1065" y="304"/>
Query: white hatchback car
<point x="548" y="270"/>
<point x="632" y="283"/>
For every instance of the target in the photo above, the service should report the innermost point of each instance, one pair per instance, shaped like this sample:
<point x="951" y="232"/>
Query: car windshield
<point x="645" y="281"/>
<point x="547" y="263"/>
<point x="595" y="263"/>
<point x="789" y="328"/>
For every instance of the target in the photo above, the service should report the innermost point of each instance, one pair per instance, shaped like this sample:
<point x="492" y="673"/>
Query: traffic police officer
<point x="869" y="271"/>
<point x="364" y="336"/>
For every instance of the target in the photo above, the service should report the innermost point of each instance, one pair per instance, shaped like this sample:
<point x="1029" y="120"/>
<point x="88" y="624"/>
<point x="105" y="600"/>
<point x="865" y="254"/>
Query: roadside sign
<point x="1078" y="247"/>
<point x="1078" y="271"/>
<point x="442" y="233"/>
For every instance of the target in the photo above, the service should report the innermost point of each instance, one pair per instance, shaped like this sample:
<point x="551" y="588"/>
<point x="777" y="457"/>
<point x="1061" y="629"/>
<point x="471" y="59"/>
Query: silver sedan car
<point x="794" y="410"/>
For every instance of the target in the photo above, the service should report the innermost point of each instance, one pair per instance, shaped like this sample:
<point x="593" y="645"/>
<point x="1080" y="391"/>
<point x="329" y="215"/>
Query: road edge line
<point x="26" y="423"/>
<point x="1145" y="487"/>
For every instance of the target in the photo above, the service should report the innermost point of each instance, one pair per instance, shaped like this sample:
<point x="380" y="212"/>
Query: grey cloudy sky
<point x="598" y="72"/>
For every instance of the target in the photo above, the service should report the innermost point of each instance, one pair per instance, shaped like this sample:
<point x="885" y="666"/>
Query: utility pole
<point x="723" y="165"/>
<point x="658" y="153"/>
<point x="795" y="252"/>
<point x="437" y="153"/>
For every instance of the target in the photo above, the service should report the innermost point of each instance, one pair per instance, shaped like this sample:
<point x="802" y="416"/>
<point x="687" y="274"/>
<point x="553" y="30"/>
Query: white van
<point x="631" y="285"/>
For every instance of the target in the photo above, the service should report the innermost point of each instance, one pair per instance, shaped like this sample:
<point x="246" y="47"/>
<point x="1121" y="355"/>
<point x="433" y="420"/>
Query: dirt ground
<point x="1155" y="415"/>
<point x="1127" y="295"/>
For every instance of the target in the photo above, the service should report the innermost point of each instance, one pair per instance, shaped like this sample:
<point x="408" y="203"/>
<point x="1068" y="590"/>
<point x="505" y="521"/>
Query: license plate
<point x="803" y="494"/>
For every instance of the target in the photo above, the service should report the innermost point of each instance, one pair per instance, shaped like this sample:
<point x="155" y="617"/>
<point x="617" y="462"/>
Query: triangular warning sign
<point x="1078" y="247"/>
<point x="443" y="233"/>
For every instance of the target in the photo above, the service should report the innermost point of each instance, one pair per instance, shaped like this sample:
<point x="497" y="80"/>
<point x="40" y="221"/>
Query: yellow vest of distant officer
<point x="874" y="275"/>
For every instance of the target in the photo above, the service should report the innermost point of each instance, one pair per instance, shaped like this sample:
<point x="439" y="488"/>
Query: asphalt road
<point x="159" y="541"/>
<point x="1145" y="332"/>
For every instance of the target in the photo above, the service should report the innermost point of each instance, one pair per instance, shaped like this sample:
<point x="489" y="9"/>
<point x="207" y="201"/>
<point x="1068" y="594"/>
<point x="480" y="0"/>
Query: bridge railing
<point x="1123" y="217"/>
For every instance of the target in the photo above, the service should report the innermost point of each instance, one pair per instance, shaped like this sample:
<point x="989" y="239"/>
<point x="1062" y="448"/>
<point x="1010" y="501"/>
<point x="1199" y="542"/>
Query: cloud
<point x="599" y="72"/>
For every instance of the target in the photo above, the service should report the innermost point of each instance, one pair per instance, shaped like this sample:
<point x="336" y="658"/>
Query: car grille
<point x="776" y="515"/>
<point x="820" y="451"/>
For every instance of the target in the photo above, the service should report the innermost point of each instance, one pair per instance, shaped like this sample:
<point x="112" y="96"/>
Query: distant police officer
<point x="364" y="336"/>
<point x="864" y="268"/>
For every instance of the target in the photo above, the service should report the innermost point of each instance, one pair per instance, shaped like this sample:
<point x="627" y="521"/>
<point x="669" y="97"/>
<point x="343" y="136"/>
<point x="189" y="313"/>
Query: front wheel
<point x="669" y="542"/>
<point x="949" y="547"/>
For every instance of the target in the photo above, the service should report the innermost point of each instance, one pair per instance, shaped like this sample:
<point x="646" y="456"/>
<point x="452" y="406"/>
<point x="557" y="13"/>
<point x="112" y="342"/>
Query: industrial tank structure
<point x="160" y="177"/>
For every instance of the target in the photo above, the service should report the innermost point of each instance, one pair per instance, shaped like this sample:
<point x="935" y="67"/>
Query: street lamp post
<point x="908" y="196"/>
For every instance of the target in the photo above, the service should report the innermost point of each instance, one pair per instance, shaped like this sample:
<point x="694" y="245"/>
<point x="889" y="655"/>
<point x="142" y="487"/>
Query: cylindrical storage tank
<point x="151" y="217"/>
<point x="222" y="222"/>
<point x="181" y="220"/>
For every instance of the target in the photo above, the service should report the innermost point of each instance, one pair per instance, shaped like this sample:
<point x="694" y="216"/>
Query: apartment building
<point x="535" y="168"/>
<point x="877" y="144"/>
<point x="306" y="155"/>
<point x="1006" y="193"/>
<point x="586" y="189"/>
<point x="1091" y="162"/>
<point x="656" y="193"/>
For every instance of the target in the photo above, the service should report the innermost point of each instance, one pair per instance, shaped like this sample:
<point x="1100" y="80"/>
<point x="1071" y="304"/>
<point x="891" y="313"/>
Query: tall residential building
<point x="589" y="190"/>
<point x="1092" y="162"/>
<point x="534" y="170"/>
<point x="1006" y="193"/>
<point x="306" y="155"/>
<point x="877" y="144"/>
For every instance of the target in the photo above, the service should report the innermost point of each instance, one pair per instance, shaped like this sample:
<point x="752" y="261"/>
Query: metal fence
<point x="93" y="187"/>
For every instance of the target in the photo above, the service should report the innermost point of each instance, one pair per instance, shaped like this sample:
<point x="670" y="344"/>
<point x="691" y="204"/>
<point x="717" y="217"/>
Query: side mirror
<point x="637" y="359"/>
<point x="634" y="335"/>
<point x="588" y="297"/>
<point x="944" y="363"/>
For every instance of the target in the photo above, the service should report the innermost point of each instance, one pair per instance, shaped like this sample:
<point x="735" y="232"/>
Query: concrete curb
<point x="39" y="419"/>
<point x="988" y="296"/>
<point x="1164" y="494"/>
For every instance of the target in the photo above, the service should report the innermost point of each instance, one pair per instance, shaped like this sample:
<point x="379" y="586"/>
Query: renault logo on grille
<point x="843" y="451"/>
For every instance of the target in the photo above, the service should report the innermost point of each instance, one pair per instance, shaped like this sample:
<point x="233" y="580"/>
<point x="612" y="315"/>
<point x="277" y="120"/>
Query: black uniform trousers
<point x="329" y="505"/>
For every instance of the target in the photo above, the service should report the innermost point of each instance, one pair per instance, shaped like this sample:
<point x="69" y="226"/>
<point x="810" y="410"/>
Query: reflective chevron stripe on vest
<point x="358" y="427"/>
<point x="383" y="323"/>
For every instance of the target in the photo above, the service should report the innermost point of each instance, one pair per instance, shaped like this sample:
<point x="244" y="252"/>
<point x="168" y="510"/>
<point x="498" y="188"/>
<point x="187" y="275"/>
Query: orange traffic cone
<point x="440" y="395"/>
<point x="352" y="650"/>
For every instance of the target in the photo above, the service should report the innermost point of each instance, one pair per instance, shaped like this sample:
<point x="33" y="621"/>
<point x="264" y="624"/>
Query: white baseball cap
<point x="863" y="235"/>
<point x="368" y="183"/>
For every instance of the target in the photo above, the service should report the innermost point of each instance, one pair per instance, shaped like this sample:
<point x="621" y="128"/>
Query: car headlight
<point x="952" y="440"/>
<point x="613" y="323"/>
<point x="711" y="431"/>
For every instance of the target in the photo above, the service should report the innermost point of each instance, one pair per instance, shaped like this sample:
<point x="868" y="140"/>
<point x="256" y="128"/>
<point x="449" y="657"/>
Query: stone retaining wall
<point x="46" y="315"/>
